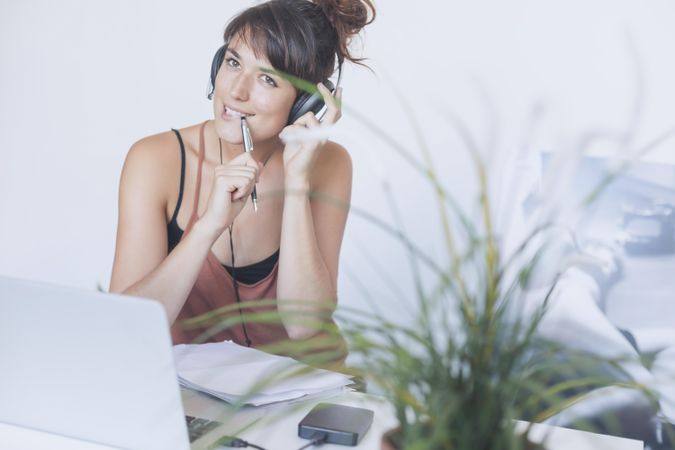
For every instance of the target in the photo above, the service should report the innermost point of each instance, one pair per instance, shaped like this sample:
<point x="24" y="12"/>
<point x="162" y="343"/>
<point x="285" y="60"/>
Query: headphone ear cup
<point x="302" y="104"/>
<point x="307" y="102"/>
<point x="215" y="66"/>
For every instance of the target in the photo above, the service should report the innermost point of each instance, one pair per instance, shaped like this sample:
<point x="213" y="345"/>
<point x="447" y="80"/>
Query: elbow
<point x="121" y="289"/>
<point x="302" y="319"/>
<point x="118" y="285"/>
<point x="117" y="290"/>
<point x="308" y="324"/>
<point x="299" y="333"/>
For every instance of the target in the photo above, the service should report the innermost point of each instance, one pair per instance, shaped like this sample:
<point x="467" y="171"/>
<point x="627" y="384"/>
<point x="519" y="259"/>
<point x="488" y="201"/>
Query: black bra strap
<point x="182" y="175"/>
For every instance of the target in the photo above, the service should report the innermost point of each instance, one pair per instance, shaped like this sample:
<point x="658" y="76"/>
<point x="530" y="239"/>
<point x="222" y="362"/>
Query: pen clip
<point x="246" y="132"/>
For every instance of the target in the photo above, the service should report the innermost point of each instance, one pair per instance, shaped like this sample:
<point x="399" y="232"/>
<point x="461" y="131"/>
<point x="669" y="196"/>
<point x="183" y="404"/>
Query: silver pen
<point x="248" y="147"/>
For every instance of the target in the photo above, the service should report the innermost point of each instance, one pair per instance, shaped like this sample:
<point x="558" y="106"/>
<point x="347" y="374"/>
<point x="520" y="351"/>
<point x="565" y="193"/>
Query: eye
<point x="232" y="62"/>
<point x="269" y="80"/>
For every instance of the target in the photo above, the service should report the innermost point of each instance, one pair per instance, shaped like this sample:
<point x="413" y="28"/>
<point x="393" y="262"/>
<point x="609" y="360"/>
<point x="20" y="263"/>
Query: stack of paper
<point x="240" y="374"/>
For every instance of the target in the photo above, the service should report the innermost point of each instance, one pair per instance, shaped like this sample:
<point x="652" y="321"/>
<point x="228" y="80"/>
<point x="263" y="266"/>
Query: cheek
<point x="275" y="107"/>
<point x="221" y="82"/>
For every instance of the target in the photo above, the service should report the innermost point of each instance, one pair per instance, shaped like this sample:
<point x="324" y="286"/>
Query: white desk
<point x="276" y="427"/>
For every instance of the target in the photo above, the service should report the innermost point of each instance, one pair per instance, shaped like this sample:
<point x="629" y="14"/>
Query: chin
<point x="229" y="132"/>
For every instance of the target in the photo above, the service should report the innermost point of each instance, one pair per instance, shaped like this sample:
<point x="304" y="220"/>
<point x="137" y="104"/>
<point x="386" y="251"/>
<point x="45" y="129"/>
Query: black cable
<point x="321" y="439"/>
<point x="255" y="446"/>
<point x="234" y="442"/>
<point x="229" y="441"/>
<point x="220" y="145"/>
<point x="247" y="340"/>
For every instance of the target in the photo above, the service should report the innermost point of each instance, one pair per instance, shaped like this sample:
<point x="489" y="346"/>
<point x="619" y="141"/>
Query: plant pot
<point x="387" y="442"/>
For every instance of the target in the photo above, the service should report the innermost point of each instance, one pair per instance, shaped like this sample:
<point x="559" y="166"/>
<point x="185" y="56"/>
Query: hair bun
<point x="348" y="17"/>
<point x="352" y="14"/>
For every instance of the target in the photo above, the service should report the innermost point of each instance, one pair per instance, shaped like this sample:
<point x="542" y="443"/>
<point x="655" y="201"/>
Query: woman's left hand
<point x="300" y="154"/>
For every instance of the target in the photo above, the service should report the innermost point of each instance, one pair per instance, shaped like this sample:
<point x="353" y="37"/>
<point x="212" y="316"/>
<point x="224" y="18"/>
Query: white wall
<point x="81" y="81"/>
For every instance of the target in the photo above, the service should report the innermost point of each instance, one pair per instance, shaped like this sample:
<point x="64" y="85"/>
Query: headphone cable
<point x="247" y="339"/>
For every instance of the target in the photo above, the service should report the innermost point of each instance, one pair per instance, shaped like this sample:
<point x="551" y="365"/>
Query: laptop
<point x="86" y="369"/>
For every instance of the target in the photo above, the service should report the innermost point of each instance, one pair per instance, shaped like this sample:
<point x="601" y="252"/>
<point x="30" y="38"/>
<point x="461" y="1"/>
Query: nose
<point x="240" y="87"/>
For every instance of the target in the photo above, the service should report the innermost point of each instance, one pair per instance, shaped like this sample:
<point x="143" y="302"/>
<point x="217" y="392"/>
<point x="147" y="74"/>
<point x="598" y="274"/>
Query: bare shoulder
<point x="151" y="151"/>
<point x="147" y="164"/>
<point x="333" y="163"/>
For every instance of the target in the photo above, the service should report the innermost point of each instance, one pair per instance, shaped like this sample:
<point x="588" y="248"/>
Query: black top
<point x="174" y="231"/>
<point x="246" y="274"/>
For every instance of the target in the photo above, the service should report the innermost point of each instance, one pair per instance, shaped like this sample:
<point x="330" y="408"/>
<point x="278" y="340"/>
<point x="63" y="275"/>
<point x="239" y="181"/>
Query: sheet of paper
<point x="235" y="373"/>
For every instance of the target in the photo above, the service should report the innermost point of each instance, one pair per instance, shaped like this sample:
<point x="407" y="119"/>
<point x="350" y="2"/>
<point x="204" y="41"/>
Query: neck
<point x="261" y="152"/>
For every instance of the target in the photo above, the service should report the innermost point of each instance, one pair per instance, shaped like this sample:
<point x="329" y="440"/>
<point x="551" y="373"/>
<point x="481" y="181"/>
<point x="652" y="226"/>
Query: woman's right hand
<point x="232" y="185"/>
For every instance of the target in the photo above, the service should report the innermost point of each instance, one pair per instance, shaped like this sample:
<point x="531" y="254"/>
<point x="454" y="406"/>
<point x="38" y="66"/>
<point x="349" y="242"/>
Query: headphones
<point x="305" y="101"/>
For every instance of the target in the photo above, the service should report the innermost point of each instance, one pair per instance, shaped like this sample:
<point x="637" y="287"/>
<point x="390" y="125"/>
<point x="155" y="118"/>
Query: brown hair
<point x="302" y="37"/>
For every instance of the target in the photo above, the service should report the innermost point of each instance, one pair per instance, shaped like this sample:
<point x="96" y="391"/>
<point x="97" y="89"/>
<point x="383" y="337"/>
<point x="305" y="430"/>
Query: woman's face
<point x="243" y="87"/>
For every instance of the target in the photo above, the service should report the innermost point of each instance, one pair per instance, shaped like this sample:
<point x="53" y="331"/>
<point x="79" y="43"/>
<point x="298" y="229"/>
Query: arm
<point x="311" y="236"/>
<point x="142" y="266"/>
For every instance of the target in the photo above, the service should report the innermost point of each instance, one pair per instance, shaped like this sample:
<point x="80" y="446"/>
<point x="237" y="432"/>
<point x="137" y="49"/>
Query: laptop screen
<point x="88" y="365"/>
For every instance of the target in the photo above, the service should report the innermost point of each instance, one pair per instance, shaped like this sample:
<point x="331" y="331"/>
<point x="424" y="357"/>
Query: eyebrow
<point x="234" y="52"/>
<point x="269" y="70"/>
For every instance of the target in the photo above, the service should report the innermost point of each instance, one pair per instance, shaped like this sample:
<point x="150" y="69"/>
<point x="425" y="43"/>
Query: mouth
<point x="231" y="112"/>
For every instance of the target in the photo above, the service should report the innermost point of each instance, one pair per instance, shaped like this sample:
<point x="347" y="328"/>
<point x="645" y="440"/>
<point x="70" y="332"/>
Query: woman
<point x="188" y="235"/>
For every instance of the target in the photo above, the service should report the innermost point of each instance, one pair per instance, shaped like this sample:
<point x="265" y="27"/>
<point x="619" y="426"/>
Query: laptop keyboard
<point x="198" y="427"/>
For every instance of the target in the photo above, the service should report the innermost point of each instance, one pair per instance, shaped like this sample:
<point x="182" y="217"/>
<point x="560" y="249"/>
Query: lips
<point x="231" y="112"/>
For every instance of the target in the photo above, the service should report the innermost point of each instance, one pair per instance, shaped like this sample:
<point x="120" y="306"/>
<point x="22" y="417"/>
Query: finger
<point x="254" y="164"/>
<point x="257" y="168"/>
<point x="338" y="96"/>
<point x="250" y="174"/>
<point x="333" y="104"/>
<point x="240" y="188"/>
<point x="325" y="93"/>
<point x="307" y="120"/>
<point x="232" y="183"/>
<point x="243" y="158"/>
<point x="243" y="192"/>
<point x="237" y="170"/>
<point x="248" y="163"/>
<point x="235" y="178"/>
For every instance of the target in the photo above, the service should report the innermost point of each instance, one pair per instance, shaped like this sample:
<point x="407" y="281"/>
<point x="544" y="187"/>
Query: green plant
<point x="470" y="362"/>
<point x="460" y="384"/>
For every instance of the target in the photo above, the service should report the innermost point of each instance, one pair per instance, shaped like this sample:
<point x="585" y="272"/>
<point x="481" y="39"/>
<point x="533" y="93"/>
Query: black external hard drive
<point x="344" y="425"/>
